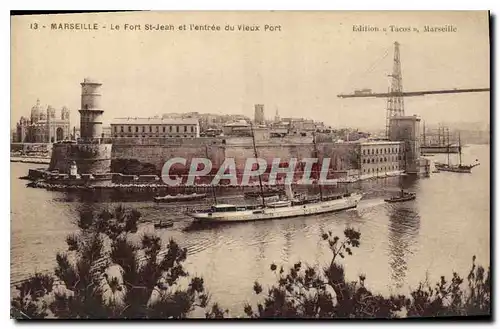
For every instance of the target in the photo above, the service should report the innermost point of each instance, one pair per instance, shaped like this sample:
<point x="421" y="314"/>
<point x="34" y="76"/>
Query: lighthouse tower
<point x="91" y="111"/>
<point x="90" y="155"/>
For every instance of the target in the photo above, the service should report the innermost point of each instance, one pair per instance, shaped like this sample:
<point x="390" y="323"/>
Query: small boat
<point x="180" y="197"/>
<point x="164" y="224"/>
<point x="404" y="196"/>
<point x="347" y="180"/>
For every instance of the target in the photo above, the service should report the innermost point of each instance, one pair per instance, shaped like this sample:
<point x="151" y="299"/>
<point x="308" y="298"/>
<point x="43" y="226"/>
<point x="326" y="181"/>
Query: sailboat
<point x="292" y="206"/>
<point x="460" y="168"/>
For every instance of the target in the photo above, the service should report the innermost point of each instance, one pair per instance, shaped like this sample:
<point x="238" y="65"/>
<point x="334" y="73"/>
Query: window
<point x="177" y="129"/>
<point x="192" y="129"/>
<point x="163" y="128"/>
<point x="364" y="152"/>
<point x="157" y="129"/>
<point x="143" y="129"/>
<point x="185" y="129"/>
<point x="129" y="129"/>
<point x="364" y="160"/>
<point x="170" y="128"/>
<point x="136" y="129"/>
<point x="121" y="128"/>
<point x="115" y="129"/>
<point x="150" y="129"/>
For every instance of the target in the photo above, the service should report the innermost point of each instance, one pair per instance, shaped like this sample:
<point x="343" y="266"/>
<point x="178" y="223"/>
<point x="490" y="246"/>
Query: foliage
<point x="105" y="274"/>
<point x="306" y="292"/>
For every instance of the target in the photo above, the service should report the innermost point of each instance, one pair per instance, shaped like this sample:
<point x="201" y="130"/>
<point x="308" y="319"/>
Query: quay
<point x="35" y="160"/>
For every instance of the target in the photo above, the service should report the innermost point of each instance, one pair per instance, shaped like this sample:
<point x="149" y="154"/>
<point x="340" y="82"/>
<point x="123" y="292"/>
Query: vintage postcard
<point x="250" y="164"/>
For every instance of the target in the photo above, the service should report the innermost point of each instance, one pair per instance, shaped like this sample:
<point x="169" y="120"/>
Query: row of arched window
<point x="152" y="136"/>
<point x="150" y="128"/>
<point x="384" y="159"/>
<point x="381" y="151"/>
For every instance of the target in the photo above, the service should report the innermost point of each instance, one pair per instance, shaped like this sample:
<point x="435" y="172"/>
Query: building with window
<point x="155" y="128"/>
<point x="381" y="157"/>
<point x="43" y="126"/>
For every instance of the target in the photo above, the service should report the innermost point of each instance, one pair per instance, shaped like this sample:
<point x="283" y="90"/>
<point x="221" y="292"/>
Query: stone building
<point x="43" y="126"/>
<point x="381" y="157"/>
<point x="155" y="127"/>
<point x="407" y="130"/>
<point x="259" y="118"/>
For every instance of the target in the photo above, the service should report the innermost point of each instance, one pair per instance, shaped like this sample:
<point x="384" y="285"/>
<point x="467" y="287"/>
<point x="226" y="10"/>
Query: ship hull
<point x="280" y="213"/>
<point x="439" y="149"/>
<point x="458" y="170"/>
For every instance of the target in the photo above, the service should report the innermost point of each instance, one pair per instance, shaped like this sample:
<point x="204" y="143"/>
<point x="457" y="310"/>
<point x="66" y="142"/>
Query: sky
<point x="298" y="71"/>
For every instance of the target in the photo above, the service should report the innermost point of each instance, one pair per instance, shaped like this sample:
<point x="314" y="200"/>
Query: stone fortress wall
<point x="142" y="156"/>
<point x="89" y="158"/>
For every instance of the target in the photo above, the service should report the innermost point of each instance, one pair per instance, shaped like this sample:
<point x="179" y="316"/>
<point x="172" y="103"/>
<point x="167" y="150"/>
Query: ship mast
<point x="316" y="155"/>
<point x="459" y="149"/>
<point x="211" y="185"/>
<point x="448" y="144"/>
<point x="424" y="134"/>
<point x="260" y="178"/>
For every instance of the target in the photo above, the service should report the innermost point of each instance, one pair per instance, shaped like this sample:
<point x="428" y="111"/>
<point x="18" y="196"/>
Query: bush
<point x="124" y="280"/>
<point x="306" y="292"/>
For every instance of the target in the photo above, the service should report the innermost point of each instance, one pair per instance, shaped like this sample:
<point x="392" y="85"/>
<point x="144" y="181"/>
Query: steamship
<point x="292" y="206"/>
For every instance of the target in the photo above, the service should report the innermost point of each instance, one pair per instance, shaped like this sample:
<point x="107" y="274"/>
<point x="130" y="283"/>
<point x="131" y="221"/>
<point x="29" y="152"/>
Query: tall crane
<point x="395" y="95"/>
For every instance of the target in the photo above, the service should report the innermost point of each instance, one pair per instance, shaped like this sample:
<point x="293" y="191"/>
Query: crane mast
<point x="395" y="94"/>
<point x="395" y="101"/>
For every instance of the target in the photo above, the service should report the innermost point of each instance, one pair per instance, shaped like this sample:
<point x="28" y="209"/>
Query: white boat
<point x="293" y="206"/>
<point x="277" y="210"/>
<point x="347" y="180"/>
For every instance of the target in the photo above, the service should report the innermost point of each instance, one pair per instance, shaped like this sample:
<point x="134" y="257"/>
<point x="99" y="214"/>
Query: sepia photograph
<point x="250" y="165"/>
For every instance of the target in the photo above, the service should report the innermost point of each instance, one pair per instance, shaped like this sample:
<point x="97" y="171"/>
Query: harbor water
<point x="401" y="244"/>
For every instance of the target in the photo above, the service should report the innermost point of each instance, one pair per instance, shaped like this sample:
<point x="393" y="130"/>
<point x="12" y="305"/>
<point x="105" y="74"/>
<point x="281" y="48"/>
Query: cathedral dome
<point x="35" y="111"/>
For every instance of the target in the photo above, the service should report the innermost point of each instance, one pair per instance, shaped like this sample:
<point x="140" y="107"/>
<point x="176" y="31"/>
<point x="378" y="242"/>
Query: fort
<point x="100" y="158"/>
